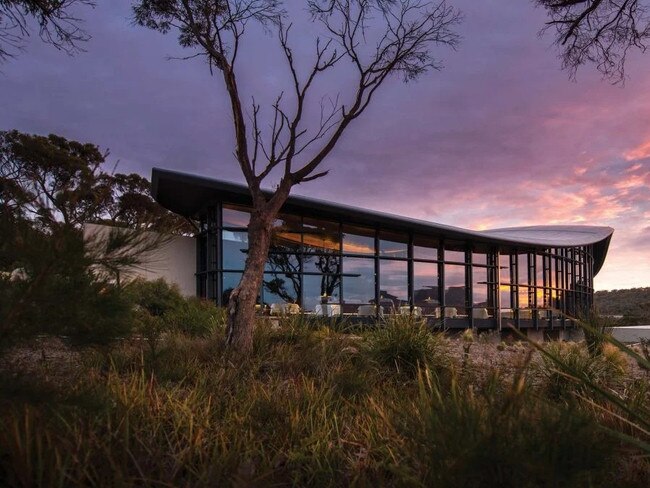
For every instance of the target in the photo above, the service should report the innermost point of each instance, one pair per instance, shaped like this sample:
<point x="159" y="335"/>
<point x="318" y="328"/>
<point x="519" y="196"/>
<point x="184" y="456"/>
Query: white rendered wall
<point x="174" y="261"/>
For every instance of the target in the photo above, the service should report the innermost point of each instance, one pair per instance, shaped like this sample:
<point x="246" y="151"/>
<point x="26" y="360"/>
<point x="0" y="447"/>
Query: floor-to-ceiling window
<point x="367" y="271"/>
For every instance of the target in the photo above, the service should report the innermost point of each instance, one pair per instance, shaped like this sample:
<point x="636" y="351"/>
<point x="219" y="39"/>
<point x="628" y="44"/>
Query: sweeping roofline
<point x="188" y="195"/>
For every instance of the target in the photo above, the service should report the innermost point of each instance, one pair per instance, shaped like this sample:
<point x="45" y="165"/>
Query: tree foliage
<point x="598" y="31"/>
<point x="49" y="188"/>
<point x="61" y="294"/>
<point x="56" y="23"/>
<point x="51" y="180"/>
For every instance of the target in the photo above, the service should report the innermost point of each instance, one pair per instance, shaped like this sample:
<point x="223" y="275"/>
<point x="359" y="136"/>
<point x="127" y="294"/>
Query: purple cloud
<point x="499" y="137"/>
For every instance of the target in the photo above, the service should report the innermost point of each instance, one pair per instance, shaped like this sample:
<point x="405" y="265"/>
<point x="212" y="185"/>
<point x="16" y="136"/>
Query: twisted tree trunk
<point x="241" y="306"/>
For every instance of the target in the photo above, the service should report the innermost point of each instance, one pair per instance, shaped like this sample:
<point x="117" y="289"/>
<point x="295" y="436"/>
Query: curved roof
<point x="188" y="195"/>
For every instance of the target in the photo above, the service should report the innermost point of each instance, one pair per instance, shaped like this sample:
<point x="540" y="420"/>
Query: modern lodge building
<point x="335" y="260"/>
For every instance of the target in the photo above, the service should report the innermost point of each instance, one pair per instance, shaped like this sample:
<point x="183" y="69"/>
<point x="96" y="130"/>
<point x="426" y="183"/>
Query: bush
<point x="156" y="297"/>
<point x="101" y="315"/>
<point x="195" y="317"/>
<point x="60" y="295"/>
<point x="405" y="343"/>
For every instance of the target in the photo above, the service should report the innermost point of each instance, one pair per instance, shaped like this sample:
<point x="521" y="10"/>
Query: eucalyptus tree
<point x="49" y="188"/>
<point x="598" y="31"/>
<point x="56" y="21"/>
<point x="373" y="40"/>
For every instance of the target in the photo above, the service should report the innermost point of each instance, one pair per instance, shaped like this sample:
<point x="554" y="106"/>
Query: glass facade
<point x="364" y="271"/>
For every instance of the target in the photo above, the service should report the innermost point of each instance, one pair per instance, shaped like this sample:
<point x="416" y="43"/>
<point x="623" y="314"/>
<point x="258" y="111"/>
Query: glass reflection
<point x="425" y="288"/>
<point x="479" y="258"/>
<point x="522" y="269"/>
<point x="454" y="256"/>
<point x="291" y="240"/>
<point x="329" y="263"/>
<point x="282" y="288"/>
<point x="425" y="248"/>
<point x="522" y="297"/>
<point x="235" y="216"/>
<point x="287" y="223"/>
<point x="479" y="288"/>
<point x="539" y="269"/>
<point x="320" y="290"/>
<point x="358" y="283"/>
<point x="393" y="284"/>
<point x="561" y="280"/>
<point x="391" y="249"/>
<point x="392" y="245"/>
<point x="504" y="280"/>
<point x="235" y="249"/>
<point x="455" y="288"/>
<point x="282" y="260"/>
<point x="321" y="236"/>
<point x="358" y="240"/>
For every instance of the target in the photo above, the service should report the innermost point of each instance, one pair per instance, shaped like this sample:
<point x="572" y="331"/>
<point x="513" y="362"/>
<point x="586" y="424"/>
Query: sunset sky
<point x="500" y="137"/>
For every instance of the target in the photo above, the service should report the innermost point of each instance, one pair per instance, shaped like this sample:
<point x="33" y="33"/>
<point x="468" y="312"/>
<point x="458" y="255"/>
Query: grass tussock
<point x="315" y="405"/>
<point x="406" y="345"/>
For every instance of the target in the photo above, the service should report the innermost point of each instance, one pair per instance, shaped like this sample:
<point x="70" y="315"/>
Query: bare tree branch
<point x="597" y="31"/>
<point x="57" y="25"/>
<point x="404" y="31"/>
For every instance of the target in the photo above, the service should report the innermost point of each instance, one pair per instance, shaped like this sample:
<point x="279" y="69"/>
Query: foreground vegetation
<point x="319" y="404"/>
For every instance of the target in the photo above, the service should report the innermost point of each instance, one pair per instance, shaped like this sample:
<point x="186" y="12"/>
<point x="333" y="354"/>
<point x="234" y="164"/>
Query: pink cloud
<point x="639" y="152"/>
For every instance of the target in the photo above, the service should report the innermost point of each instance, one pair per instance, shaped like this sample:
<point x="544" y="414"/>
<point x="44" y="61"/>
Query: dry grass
<point x="316" y="407"/>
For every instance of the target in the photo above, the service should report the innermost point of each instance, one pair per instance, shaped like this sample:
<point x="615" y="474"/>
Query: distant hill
<point x="633" y="304"/>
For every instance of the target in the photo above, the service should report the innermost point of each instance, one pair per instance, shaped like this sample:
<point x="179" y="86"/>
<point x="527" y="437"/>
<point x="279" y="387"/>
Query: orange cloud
<point x="639" y="152"/>
<point x="632" y="181"/>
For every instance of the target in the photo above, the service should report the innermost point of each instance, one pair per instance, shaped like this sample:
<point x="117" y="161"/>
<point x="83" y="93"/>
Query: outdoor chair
<point x="406" y="310"/>
<point x="369" y="311"/>
<point x="451" y="312"/>
<point x="507" y="313"/>
<point x="328" y="309"/>
<point x="526" y="314"/>
<point x="480" y="313"/>
<point x="285" y="309"/>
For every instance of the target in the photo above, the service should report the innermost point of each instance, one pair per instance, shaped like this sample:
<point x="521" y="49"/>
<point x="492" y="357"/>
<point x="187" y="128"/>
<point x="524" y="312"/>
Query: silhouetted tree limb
<point x="57" y="24"/>
<point x="374" y="38"/>
<point x="598" y="31"/>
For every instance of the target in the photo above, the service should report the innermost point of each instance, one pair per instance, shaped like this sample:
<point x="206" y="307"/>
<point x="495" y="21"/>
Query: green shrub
<point x="195" y="317"/>
<point x="156" y="297"/>
<point x="101" y="315"/>
<point x="151" y="328"/>
<point x="405" y="343"/>
<point x="62" y="296"/>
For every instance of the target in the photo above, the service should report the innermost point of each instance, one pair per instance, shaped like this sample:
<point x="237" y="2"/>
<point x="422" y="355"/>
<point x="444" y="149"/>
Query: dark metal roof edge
<point x="601" y="234"/>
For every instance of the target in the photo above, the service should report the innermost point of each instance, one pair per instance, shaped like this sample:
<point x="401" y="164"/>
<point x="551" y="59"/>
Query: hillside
<point x="633" y="304"/>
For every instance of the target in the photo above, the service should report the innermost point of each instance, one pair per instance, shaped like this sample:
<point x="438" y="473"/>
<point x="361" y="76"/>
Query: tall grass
<point x="406" y="344"/>
<point x="596" y="379"/>
<point x="500" y="437"/>
<point x="310" y="407"/>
